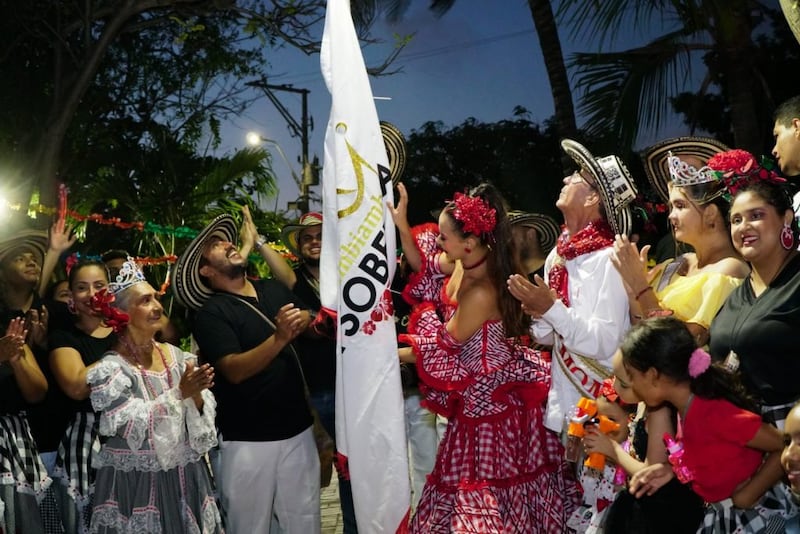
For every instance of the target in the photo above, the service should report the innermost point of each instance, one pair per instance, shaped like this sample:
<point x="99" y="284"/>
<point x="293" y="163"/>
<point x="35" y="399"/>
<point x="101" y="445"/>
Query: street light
<point x="255" y="139"/>
<point x="297" y="128"/>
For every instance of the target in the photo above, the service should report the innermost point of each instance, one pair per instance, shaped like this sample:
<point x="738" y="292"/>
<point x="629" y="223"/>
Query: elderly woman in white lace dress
<point x="158" y="415"/>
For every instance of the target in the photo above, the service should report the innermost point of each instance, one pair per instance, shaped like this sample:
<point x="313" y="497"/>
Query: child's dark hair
<point x="666" y="345"/>
<point x="610" y="394"/>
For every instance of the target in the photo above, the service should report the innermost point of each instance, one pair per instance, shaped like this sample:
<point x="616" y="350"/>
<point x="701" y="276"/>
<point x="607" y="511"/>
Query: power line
<point x="403" y="59"/>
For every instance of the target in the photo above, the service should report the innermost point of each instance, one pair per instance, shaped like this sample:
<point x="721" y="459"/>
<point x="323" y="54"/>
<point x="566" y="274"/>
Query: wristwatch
<point x="260" y="241"/>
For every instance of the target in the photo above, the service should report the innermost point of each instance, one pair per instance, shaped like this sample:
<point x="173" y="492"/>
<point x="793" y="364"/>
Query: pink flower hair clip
<point x="699" y="362"/>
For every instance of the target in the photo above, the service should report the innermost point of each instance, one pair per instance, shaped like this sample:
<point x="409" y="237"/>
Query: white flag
<point x="356" y="270"/>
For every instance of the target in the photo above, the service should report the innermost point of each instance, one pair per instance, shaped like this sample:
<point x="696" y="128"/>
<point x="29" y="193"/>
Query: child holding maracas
<point x="600" y="479"/>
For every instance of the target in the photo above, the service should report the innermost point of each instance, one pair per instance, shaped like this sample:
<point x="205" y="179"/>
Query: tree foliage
<point x="625" y="92"/>
<point x="520" y="157"/>
<point x="778" y="58"/>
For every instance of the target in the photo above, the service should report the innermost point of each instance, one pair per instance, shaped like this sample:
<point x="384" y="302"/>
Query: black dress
<point x="673" y="509"/>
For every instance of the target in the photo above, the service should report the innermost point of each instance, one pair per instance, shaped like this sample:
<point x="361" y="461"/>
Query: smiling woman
<point x="158" y="416"/>
<point x="755" y="329"/>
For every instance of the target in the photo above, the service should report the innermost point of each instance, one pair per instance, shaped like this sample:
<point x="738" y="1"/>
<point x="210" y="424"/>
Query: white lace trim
<point x="201" y="428"/>
<point x="108" y="516"/>
<point x="174" y="428"/>
<point x="144" y="460"/>
<point x="149" y="519"/>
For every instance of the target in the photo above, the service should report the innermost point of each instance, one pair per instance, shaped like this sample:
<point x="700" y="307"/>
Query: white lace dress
<point x="151" y="473"/>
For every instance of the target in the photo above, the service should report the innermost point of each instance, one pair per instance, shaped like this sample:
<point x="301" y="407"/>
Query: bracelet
<point x="642" y="292"/>
<point x="260" y="241"/>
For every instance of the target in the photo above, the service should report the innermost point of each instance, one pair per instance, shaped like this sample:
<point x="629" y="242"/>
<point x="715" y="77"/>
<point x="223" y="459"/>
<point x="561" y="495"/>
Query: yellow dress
<point x="696" y="298"/>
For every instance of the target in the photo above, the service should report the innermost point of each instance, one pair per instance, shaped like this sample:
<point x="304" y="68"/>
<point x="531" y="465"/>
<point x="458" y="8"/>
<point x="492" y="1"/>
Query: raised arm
<point x="59" y="241"/>
<point x="399" y="215"/>
<point x="278" y="266"/>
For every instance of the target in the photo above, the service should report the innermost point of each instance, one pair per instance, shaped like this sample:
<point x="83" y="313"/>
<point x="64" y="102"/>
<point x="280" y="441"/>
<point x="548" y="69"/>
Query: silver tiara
<point x="129" y="275"/>
<point x="683" y="174"/>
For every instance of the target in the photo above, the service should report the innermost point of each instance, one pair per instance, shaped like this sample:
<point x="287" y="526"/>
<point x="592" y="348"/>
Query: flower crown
<point x="129" y="275"/>
<point x="738" y="168"/>
<point x="683" y="174"/>
<point x="113" y="317"/>
<point x="474" y="213"/>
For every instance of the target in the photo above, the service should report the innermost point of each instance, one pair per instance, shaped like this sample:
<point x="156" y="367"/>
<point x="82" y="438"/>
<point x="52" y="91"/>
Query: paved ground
<point x="331" y="513"/>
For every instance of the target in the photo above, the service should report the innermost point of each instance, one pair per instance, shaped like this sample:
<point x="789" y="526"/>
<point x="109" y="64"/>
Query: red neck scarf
<point x="594" y="236"/>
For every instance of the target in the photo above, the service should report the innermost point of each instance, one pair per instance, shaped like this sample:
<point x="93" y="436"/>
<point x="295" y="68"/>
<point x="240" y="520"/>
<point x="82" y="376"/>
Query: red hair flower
<point x="475" y="215"/>
<point x="610" y="392"/>
<point x="101" y="303"/>
<point x="738" y="168"/>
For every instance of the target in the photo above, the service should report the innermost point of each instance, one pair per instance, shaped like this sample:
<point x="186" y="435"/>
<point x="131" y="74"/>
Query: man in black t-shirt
<point x="268" y="461"/>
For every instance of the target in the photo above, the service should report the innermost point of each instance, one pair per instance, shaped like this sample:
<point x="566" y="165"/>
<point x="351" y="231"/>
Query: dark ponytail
<point x="666" y="345"/>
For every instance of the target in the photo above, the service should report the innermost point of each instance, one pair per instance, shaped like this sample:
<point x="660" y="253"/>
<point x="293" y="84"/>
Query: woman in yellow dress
<point x="694" y="285"/>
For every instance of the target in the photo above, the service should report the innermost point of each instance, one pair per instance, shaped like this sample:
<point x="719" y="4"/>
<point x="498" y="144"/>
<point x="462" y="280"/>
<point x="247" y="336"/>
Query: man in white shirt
<point x="581" y="306"/>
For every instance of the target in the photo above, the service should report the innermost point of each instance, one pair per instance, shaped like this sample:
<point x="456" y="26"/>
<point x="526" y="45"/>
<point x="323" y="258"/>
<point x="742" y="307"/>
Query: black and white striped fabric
<point x="23" y="476"/>
<point x="768" y="516"/>
<point x="19" y="456"/>
<point x="776" y="415"/>
<point x="74" y="462"/>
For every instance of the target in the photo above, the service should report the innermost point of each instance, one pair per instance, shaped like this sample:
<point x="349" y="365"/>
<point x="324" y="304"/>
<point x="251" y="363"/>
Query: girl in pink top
<point x="730" y="457"/>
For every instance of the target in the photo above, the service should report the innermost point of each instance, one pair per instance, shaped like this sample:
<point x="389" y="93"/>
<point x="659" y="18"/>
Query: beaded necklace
<point x="135" y="353"/>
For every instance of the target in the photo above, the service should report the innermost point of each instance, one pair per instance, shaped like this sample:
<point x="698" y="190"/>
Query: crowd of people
<point x="553" y="380"/>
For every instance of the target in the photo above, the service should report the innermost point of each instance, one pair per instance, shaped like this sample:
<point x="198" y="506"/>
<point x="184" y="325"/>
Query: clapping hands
<point x="12" y="344"/>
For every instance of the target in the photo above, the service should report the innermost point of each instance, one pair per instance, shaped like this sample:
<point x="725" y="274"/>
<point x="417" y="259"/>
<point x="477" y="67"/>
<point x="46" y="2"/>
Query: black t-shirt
<point x="317" y="355"/>
<point x="270" y="405"/>
<point x="91" y="350"/>
<point x="763" y="333"/>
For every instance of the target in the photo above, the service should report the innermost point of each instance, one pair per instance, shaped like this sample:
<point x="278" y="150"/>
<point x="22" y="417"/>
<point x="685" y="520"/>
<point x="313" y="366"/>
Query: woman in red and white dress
<point x="497" y="469"/>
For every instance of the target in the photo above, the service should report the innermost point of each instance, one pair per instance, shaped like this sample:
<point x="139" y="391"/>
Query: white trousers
<point x="259" y="479"/>
<point x="423" y="440"/>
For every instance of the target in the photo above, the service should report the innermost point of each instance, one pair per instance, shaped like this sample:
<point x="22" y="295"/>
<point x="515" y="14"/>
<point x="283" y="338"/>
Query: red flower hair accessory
<point x="738" y="168"/>
<point x="608" y="391"/>
<point x="475" y="215"/>
<point x="101" y="303"/>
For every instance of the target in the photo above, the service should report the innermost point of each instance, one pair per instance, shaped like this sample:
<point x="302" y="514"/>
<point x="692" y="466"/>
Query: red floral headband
<point x="738" y="168"/>
<point x="101" y="303"/>
<point x="475" y="215"/>
<point x="610" y="392"/>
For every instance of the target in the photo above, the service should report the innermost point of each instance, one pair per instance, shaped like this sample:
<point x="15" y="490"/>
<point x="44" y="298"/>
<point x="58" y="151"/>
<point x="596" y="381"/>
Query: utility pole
<point x="297" y="129"/>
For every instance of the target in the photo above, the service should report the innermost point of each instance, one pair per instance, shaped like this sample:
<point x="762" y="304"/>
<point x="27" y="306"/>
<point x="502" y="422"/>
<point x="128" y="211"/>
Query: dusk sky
<point x="478" y="60"/>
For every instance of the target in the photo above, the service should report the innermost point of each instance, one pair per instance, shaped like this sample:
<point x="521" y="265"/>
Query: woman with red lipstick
<point x="755" y="331"/>
<point x="73" y="351"/>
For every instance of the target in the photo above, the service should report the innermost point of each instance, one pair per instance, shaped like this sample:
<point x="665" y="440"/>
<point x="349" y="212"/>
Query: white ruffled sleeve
<point x="131" y="417"/>
<point x="200" y="426"/>
<point x="175" y="429"/>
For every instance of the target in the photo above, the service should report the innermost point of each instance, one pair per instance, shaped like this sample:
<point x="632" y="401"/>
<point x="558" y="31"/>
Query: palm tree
<point x="550" y="43"/>
<point x="626" y="92"/>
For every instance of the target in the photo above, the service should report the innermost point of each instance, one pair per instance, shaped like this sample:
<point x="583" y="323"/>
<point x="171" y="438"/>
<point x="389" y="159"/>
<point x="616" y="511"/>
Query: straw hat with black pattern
<point x="547" y="229"/>
<point x="612" y="179"/>
<point x="187" y="284"/>
<point x="655" y="158"/>
<point x="396" y="150"/>
<point x="291" y="232"/>
<point x="33" y="240"/>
